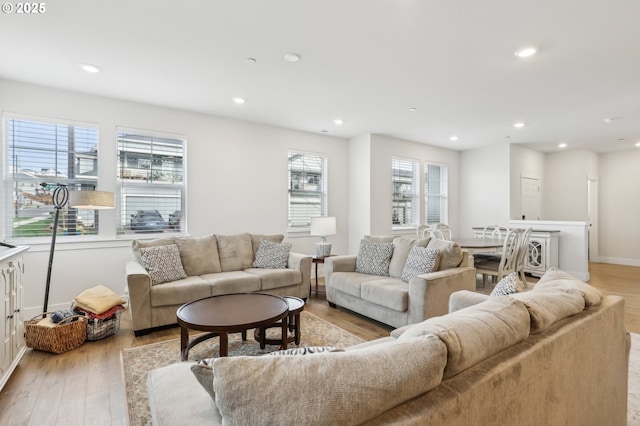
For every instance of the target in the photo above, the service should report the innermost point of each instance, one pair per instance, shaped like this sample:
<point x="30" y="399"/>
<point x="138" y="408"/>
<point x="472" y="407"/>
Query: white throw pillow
<point x="272" y="255"/>
<point x="420" y="261"/>
<point x="373" y="258"/>
<point x="163" y="263"/>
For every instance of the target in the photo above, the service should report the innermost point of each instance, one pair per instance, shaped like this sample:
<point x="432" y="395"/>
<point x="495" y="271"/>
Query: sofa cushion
<point x="546" y="307"/>
<point x="236" y="252"/>
<point x="391" y="293"/>
<point x="373" y="258"/>
<point x="554" y="273"/>
<point x="351" y="282"/>
<point x="255" y="240"/>
<point x="379" y="238"/>
<point x="232" y="282"/>
<point x="276" y="278"/>
<point x="136" y="245"/>
<point x="450" y="253"/>
<point x="179" y="292"/>
<point x="272" y="255"/>
<point x="348" y="387"/>
<point x="199" y="254"/>
<point x="568" y="283"/>
<point x="475" y="333"/>
<point x="420" y="261"/>
<point x="203" y="370"/>
<point x="163" y="263"/>
<point x="401" y="248"/>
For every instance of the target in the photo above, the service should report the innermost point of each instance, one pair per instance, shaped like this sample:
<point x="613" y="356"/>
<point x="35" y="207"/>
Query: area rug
<point x="137" y="362"/>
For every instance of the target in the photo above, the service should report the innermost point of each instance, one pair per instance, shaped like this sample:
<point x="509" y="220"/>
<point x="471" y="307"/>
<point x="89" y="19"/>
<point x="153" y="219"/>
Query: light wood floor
<point x="85" y="386"/>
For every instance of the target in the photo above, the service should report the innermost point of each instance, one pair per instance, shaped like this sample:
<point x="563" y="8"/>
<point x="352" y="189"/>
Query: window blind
<point x="405" y="181"/>
<point x="307" y="189"/>
<point x="436" y="193"/>
<point x="40" y="155"/>
<point x="151" y="182"/>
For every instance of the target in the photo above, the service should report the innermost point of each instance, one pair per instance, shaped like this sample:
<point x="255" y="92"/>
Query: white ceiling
<point x="364" y="61"/>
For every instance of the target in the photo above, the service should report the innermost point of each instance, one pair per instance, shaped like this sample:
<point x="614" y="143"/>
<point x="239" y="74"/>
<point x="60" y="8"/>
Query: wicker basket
<point x="66" y="335"/>
<point x="100" y="328"/>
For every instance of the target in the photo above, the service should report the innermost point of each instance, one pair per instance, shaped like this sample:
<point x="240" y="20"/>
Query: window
<point x="406" y="187"/>
<point x="151" y="182"/>
<point x="435" y="193"/>
<point x="41" y="154"/>
<point x="307" y="189"/>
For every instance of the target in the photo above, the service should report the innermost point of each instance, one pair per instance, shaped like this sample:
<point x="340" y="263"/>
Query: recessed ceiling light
<point x="239" y="100"/>
<point x="291" y="57"/>
<point x="526" y="52"/>
<point x="518" y="125"/>
<point x="562" y="145"/>
<point x="338" y="121"/>
<point x="90" y="68"/>
<point x="608" y="120"/>
<point x="413" y="109"/>
<point x="453" y="138"/>
<point x="638" y="144"/>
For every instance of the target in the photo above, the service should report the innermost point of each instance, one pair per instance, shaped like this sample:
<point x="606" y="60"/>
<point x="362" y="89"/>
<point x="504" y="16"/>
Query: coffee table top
<point x="232" y="312"/>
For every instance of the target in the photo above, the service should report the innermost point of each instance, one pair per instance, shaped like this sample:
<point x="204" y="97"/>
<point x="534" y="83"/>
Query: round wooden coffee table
<point x="229" y="313"/>
<point x="296" y="305"/>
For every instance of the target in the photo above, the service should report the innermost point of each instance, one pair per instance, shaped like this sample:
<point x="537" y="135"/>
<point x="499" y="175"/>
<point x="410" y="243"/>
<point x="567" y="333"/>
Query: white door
<point x="592" y="213"/>
<point x="530" y="198"/>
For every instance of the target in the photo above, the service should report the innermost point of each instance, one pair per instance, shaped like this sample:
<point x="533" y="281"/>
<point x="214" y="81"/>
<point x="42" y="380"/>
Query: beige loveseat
<point x="556" y="355"/>
<point x="213" y="265"/>
<point x="391" y="300"/>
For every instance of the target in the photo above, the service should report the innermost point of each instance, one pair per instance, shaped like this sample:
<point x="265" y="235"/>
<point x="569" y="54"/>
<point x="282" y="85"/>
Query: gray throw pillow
<point x="420" y="261"/>
<point x="203" y="370"/>
<point x="163" y="263"/>
<point x="373" y="258"/>
<point x="507" y="285"/>
<point x="272" y="255"/>
<point x="306" y="350"/>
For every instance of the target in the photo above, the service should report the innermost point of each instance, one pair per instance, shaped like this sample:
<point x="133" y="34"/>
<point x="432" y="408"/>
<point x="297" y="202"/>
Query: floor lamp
<point x="86" y="200"/>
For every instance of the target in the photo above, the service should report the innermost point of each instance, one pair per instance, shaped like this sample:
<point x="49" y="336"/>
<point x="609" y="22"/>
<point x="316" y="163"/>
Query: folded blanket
<point x="98" y="299"/>
<point x="106" y="314"/>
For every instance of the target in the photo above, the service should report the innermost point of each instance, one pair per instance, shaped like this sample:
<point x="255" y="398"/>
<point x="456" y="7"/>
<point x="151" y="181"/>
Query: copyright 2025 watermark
<point x="24" y="8"/>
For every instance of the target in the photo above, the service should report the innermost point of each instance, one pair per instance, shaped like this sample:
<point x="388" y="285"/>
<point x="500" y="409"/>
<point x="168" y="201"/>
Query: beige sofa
<point x="389" y="299"/>
<point x="556" y="355"/>
<point x="214" y="265"/>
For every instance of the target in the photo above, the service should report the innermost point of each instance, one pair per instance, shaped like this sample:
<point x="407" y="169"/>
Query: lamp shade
<point x="323" y="226"/>
<point x="92" y="200"/>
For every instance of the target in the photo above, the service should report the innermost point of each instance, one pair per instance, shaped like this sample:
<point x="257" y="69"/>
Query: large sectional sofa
<point x="213" y="265"/>
<point x="555" y="355"/>
<point x="389" y="299"/>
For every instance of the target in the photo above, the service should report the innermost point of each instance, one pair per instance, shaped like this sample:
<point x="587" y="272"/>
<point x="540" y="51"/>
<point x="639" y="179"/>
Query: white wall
<point x="236" y="173"/>
<point x="526" y="163"/>
<point x="565" y="196"/>
<point x="619" y="207"/>
<point x="359" y="191"/>
<point x="484" y="187"/>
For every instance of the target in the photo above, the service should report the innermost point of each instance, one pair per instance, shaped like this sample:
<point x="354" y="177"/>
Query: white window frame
<point x="311" y="195"/>
<point x="47" y="149"/>
<point x="405" y="193"/>
<point x="436" y="192"/>
<point x="143" y="186"/>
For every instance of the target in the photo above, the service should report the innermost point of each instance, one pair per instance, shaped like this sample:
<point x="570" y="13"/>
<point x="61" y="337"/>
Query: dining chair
<point x="523" y="253"/>
<point x="506" y="263"/>
<point x="441" y="231"/>
<point x="423" y="231"/>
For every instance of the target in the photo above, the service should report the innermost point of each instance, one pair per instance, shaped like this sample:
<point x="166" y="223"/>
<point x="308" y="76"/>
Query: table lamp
<point x="323" y="226"/>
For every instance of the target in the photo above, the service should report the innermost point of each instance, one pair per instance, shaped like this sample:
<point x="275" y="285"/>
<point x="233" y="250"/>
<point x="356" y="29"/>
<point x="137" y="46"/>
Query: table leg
<point x="184" y="341"/>
<point x="296" y="320"/>
<point x="316" y="279"/>
<point x="285" y="331"/>
<point x="224" y="344"/>
<point x="263" y="337"/>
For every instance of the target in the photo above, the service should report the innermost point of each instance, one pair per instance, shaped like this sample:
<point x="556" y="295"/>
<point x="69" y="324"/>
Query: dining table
<point x="476" y="245"/>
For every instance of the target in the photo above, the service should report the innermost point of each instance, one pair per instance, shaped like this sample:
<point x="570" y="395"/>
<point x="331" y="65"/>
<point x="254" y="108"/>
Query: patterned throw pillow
<point x="163" y="263"/>
<point x="306" y="350"/>
<point x="203" y="370"/>
<point x="373" y="258"/>
<point x="272" y="255"/>
<point x="420" y="261"/>
<point x="507" y="285"/>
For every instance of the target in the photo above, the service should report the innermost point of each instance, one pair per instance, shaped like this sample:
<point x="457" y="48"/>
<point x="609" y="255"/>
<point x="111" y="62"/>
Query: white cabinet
<point x="12" y="345"/>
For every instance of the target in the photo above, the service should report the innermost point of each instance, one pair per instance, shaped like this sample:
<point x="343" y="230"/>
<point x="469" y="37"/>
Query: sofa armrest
<point x="301" y="262"/>
<point x="139" y="285"/>
<point x="465" y="298"/>
<point x="345" y="263"/>
<point x="429" y="293"/>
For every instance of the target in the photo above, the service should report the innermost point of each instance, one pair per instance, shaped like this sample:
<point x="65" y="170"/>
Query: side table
<point x="296" y="305"/>
<point x="316" y="260"/>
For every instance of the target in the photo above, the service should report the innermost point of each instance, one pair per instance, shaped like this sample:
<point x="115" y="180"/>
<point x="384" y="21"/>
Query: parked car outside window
<point x="147" y="221"/>
<point x="175" y="219"/>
